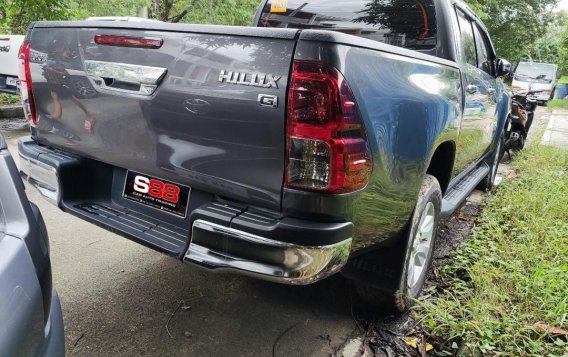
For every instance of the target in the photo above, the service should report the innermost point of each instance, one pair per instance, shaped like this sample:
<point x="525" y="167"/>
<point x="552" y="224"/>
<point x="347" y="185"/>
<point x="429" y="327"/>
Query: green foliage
<point x="16" y="15"/>
<point x="558" y="103"/>
<point x="82" y="9"/>
<point x="563" y="55"/>
<point x="548" y="48"/>
<point x="9" y="99"/>
<point x="513" y="272"/>
<point x="514" y="25"/>
<point x="221" y="12"/>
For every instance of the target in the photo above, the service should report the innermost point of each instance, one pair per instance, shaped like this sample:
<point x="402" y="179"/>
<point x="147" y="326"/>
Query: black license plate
<point x="157" y="193"/>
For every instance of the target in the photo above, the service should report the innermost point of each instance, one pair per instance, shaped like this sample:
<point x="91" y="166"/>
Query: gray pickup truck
<point x="331" y="136"/>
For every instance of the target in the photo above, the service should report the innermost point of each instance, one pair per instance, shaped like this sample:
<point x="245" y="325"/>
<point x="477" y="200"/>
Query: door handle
<point x="472" y="89"/>
<point x="124" y="77"/>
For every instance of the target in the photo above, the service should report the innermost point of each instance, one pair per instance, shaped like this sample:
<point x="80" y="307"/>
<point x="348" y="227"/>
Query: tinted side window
<point x="405" y="23"/>
<point x="483" y="60"/>
<point x="468" y="42"/>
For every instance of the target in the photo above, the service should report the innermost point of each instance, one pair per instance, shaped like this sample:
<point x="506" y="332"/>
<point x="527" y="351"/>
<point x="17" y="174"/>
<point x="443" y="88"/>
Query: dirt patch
<point x="401" y="335"/>
<point x="14" y="124"/>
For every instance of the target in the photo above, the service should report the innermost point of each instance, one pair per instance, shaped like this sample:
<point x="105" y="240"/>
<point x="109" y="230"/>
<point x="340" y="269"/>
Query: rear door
<point x="202" y="106"/>
<point x="480" y="112"/>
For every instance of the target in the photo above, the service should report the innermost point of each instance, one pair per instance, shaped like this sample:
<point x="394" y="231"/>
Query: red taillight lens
<point x="127" y="41"/>
<point x="25" y="77"/>
<point x="327" y="143"/>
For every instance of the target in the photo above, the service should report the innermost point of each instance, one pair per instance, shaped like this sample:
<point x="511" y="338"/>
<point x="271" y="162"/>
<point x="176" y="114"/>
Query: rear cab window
<point x="469" y="51"/>
<point x="405" y="23"/>
<point x="485" y="60"/>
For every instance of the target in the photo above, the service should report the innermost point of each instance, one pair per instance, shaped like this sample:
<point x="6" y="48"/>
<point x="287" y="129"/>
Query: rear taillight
<point x="25" y="77"/>
<point x="327" y="144"/>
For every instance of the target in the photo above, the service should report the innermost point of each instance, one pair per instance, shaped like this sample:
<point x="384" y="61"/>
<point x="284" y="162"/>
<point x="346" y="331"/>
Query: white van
<point x="9" y="48"/>
<point x="539" y="77"/>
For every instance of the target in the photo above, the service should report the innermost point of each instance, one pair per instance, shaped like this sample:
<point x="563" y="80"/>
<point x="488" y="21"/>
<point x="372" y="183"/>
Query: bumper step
<point x="220" y="235"/>
<point x="143" y="229"/>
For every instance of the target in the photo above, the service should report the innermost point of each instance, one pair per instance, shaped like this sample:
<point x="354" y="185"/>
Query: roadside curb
<point x="556" y="133"/>
<point x="11" y="111"/>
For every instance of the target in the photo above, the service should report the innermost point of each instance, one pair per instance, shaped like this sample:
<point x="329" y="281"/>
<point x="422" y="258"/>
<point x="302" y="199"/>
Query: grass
<point x="558" y="103"/>
<point x="9" y="99"/>
<point x="513" y="272"/>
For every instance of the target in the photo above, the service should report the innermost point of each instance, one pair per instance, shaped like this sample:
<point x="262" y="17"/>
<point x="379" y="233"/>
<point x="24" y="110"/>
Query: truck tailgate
<point x="203" y="106"/>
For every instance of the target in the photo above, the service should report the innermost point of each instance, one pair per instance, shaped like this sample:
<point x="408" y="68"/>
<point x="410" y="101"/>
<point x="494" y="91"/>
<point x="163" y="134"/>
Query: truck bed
<point x="186" y="126"/>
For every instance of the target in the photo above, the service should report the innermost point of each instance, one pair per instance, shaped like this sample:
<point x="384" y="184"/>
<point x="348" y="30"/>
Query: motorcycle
<point x="523" y="107"/>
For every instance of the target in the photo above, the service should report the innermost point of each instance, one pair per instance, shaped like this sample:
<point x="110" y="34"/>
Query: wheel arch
<point x="441" y="163"/>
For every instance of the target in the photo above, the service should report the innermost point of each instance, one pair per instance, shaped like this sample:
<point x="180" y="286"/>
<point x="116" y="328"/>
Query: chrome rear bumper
<point x="222" y="248"/>
<point x="41" y="176"/>
<point x="260" y="249"/>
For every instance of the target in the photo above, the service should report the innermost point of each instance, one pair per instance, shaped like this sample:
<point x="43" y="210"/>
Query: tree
<point x="225" y="12"/>
<point x="563" y="55"/>
<point x="514" y="25"/>
<point x="399" y="16"/>
<point x="162" y="9"/>
<point x="81" y="9"/>
<point x="16" y="15"/>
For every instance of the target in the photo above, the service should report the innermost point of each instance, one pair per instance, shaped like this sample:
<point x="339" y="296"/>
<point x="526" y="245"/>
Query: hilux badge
<point x="246" y="79"/>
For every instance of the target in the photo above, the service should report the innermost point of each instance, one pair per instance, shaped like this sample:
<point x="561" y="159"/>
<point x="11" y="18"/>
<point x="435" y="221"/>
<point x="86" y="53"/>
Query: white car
<point x="9" y="48"/>
<point x="539" y="78"/>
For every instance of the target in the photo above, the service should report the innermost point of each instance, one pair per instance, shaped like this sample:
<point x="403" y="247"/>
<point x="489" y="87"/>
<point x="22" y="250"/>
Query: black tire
<point x="489" y="181"/>
<point x="400" y="296"/>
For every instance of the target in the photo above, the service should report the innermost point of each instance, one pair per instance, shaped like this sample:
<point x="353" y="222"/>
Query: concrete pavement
<point x="556" y="133"/>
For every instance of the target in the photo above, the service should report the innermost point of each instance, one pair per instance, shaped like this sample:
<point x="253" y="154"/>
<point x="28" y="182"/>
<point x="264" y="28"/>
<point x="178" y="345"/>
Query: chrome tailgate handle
<point x="124" y="77"/>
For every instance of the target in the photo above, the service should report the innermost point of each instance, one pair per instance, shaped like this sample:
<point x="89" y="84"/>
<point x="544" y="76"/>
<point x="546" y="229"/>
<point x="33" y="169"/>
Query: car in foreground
<point x="30" y="311"/>
<point x="331" y="136"/>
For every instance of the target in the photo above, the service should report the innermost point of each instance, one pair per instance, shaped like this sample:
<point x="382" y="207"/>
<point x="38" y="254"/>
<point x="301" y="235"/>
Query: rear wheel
<point x="418" y="247"/>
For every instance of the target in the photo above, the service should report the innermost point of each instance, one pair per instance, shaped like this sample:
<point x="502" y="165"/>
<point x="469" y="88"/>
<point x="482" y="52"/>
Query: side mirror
<point x="504" y="68"/>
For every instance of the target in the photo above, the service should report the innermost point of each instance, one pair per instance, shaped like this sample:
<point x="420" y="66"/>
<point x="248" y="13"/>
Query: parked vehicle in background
<point x="334" y="136"/>
<point x="30" y="312"/>
<point x="539" y="78"/>
<point x="9" y="47"/>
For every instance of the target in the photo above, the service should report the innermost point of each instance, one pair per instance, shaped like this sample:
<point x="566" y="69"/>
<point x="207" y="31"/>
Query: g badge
<point x="266" y="100"/>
